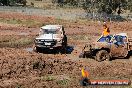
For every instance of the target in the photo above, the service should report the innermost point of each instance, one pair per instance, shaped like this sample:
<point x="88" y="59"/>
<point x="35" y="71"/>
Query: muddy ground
<point x="23" y="68"/>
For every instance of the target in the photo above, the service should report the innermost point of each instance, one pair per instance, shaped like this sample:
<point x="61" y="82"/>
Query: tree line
<point x="99" y="6"/>
<point x="12" y="2"/>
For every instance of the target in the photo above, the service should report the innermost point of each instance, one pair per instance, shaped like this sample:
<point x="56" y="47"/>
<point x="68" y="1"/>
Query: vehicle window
<point x="105" y="39"/>
<point x="124" y="39"/>
<point x="50" y="31"/>
<point x="119" y="38"/>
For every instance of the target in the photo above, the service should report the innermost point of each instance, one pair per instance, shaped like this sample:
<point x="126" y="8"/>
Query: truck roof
<point x="122" y="34"/>
<point x="51" y="27"/>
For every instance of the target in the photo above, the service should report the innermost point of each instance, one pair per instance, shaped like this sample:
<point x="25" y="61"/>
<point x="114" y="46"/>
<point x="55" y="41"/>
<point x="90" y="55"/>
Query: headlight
<point x="57" y="36"/>
<point x="36" y="40"/>
<point x="59" y="40"/>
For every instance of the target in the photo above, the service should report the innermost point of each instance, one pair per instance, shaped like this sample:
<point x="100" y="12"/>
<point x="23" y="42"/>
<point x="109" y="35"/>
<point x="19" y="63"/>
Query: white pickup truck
<point x="51" y="37"/>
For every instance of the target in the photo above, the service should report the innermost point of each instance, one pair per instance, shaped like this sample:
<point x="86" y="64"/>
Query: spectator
<point x="106" y="30"/>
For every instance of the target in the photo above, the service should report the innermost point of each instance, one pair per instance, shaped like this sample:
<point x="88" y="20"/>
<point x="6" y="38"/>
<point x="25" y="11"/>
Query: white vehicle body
<point x="51" y="36"/>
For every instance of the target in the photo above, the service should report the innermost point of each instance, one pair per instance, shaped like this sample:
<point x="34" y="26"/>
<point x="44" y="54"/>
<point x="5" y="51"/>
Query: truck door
<point x="119" y="46"/>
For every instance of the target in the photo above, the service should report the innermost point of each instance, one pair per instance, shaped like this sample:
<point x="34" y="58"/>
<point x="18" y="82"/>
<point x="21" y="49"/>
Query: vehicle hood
<point x="49" y="36"/>
<point x="45" y="36"/>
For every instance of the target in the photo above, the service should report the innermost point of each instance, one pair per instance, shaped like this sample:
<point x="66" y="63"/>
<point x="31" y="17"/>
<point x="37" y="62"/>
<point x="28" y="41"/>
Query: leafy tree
<point x="5" y="2"/>
<point x="12" y="2"/>
<point x="108" y="6"/>
<point x="129" y="5"/>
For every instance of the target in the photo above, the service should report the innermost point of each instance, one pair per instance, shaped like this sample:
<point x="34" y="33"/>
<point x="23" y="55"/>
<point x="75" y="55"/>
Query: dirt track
<point x="20" y="68"/>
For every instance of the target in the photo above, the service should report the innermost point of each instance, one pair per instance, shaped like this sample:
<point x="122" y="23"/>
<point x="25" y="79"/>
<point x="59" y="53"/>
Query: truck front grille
<point x="47" y="42"/>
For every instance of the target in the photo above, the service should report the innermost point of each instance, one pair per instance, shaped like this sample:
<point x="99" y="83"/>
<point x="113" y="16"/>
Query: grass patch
<point x="18" y="86"/>
<point x="32" y="23"/>
<point x="28" y="23"/>
<point x="48" y="78"/>
<point x="37" y="23"/>
<point x="79" y="37"/>
<point x="15" y="41"/>
<point x="63" y="82"/>
<point x="22" y="41"/>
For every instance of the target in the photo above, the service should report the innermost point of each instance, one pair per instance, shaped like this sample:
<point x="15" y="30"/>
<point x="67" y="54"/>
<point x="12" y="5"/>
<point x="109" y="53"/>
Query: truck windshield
<point x="50" y="31"/>
<point x="119" y="38"/>
<point x="105" y="39"/>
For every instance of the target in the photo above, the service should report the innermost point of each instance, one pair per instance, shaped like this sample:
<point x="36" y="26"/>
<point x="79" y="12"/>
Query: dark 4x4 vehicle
<point x="107" y="47"/>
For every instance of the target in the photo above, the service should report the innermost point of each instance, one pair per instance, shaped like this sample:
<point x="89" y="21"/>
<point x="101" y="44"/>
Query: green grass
<point x="63" y="82"/>
<point x="27" y="23"/>
<point x="60" y="81"/>
<point x="14" y="41"/>
<point x="48" y="78"/>
<point x="79" y="37"/>
<point x="18" y="86"/>
<point x="37" y="23"/>
<point x="31" y="22"/>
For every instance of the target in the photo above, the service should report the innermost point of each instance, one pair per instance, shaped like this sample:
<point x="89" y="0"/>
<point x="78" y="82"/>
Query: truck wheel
<point x="34" y="48"/>
<point x="82" y="55"/>
<point x="102" y="55"/>
<point x="63" y="50"/>
<point x="37" y="49"/>
<point x="64" y="43"/>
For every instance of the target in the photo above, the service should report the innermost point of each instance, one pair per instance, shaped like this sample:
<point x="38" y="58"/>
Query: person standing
<point x="106" y="30"/>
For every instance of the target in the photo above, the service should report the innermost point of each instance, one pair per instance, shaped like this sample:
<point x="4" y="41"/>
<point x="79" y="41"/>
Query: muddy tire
<point x="64" y="45"/>
<point x="62" y="50"/>
<point x="102" y="55"/>
<point x="64" y="41"/>
<point x="82" y="55"/>
<point x="36" y="49"/>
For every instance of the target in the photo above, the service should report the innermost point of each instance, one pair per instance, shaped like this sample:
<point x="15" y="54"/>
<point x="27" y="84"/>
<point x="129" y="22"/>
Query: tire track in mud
<point x="23" y="65"/>
<point x="26" y="67"/>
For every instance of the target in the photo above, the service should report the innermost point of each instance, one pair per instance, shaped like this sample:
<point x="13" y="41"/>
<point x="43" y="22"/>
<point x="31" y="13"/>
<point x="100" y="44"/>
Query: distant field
<point x="60" y="13"/>
<point x="41" y="4"/>
<point x="64" y="13"/>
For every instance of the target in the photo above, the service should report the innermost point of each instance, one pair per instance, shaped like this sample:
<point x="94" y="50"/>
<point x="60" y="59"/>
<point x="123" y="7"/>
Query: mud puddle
<point x="29" y="49"/>
<point x="23" y="33"/>
<point x="69" y="49"/>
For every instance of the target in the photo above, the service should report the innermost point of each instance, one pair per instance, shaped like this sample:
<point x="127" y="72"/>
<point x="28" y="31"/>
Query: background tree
<point x="129" y="5"/>
<point x="5" y="2"/>
<point x="13" y="2"/>
<point x="108" y="6"/>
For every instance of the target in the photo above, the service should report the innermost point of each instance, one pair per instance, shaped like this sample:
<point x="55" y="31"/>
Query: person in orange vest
<point x="85" y="80"/>
<point x="106" y="30"/>
<point x="84" y="73"/>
